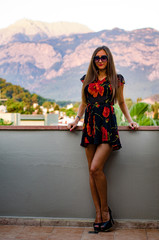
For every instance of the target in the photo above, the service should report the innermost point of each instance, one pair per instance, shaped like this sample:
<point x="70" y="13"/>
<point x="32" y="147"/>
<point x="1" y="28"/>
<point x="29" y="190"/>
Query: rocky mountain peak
<point x="35" y="56"/>
<point x="48" y="30"/>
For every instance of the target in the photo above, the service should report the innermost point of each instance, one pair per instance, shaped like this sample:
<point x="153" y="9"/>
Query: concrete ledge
<point x="119" y="224"/>
<point x="63" y="128"/>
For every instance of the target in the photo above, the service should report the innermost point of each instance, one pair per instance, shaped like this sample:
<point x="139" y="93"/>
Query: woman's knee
<point x="95" y="172"/>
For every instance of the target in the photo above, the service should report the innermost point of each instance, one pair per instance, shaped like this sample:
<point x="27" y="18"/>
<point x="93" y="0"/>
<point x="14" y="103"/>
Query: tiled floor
<point x="10" y="232"/>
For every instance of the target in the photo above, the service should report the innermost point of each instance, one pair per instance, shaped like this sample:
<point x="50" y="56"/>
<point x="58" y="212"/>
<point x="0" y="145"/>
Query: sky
<point x="95" y="14"/>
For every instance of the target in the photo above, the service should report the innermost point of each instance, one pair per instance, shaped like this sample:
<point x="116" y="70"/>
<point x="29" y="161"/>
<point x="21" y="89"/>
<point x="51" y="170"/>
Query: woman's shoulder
<point x="121" y="79"/>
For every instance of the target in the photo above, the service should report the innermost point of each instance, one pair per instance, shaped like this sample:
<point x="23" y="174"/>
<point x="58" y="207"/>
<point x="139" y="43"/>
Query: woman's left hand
<point x="133" y="125"/>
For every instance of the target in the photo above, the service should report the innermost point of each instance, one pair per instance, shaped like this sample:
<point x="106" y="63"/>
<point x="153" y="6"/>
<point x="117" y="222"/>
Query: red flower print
<point x="111" y="89"/>
<point x="106" y="112"/>
<point x="104" y="134"/>
<point x="97" y="105"/>
<point x="89" y="130"/>
<point x="112" y="109"/>
<point x="86" y="140"/>
<point x="95" y="89"/>
<point x="102" y="81"/>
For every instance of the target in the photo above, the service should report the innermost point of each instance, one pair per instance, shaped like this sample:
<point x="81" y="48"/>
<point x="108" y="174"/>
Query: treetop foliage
<point x="19" y="94"/>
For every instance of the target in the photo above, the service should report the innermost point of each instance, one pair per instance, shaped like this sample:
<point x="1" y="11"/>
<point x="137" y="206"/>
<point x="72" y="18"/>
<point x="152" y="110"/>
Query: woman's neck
<point x="101" y="74"/>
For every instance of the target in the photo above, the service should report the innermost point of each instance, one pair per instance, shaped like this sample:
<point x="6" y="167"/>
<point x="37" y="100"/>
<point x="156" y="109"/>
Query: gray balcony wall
<point x="45" y="174"/>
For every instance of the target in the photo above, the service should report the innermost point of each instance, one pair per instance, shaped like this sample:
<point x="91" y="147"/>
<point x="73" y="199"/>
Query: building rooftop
<point x="32" y="117"/>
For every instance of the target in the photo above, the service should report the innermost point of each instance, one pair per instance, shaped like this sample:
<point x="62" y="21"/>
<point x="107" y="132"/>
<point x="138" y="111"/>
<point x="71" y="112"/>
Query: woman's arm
<point x="124" y="109"/>
<point x="80" y="113"/>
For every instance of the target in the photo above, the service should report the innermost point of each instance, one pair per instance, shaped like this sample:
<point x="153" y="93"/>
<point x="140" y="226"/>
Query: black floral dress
<point x="100" y="124"/>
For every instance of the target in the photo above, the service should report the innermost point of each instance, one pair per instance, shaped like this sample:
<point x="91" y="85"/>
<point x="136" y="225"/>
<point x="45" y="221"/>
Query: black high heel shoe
<point x="106" y="226"/>
<point x="97" y="227"/>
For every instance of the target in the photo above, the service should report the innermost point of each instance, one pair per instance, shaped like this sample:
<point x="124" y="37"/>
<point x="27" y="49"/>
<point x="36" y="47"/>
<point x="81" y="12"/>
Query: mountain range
<point x="50" y="58"/>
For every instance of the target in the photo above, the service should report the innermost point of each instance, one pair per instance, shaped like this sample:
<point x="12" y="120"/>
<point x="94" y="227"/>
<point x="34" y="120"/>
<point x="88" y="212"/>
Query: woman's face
<point x="101" y="60"/>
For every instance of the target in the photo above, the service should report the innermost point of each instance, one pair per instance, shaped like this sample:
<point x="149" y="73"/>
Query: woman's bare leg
<point x="90" y="152"/>
<point x="96" y="171"/>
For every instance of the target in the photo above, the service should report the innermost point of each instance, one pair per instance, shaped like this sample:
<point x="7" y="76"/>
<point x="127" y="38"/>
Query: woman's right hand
<point x="80" y="113"/>
<point x="73" y="125"/>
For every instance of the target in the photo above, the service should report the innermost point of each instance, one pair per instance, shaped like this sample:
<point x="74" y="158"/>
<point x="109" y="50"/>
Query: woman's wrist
<point x="76" y="120"/>
<point x="78" y="117"/>
<point x="130" y="121"/>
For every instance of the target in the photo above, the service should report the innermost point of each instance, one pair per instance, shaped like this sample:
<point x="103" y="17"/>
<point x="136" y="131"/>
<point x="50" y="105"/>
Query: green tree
<point x="47" y="105"/>
<point x="157" y="121"/>
<point x="39" y="110"/>
<point x="9" y="91"/>
<point x="76" y="107"/>
<point x="155" y="109"/>
<point x="139" y="99"/>
<point x="70" y="112"/>
<point x="138" y="110"/>
<point x="56" y="108"/>
<point x="15" y="107"/>
<point x="34" y="98"/>
<point x="129" y="102"/>
<point x="119" y="115"/>
<point x="28" y="109"/>
<point x="2" y="83"/>
<point x="146" y="121"/>
<point x="63" y="109"/>
<point x="19" y="94"/>
<point x="138" y="114"/>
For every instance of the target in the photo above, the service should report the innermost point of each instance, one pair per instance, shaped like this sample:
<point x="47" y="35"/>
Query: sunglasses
<point x="103" y="58"/>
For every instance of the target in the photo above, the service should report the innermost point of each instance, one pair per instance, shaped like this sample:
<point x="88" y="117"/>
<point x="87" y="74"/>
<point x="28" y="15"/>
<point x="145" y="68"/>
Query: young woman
<point x="102" y="86"/>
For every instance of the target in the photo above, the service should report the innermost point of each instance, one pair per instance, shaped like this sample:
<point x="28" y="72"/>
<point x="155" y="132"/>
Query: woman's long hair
<point x="92" y="73"/>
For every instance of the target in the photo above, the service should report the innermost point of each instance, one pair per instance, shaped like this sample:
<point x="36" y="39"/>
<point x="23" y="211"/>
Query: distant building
<point x="39" y="119"/>
<point x="30" y="120"/>
<point x="3" y="109"/>
<point x="65" y="120"/>
<point x="69" y="106"/>
<point x="44" y="110"/>
<point x="35" y="105"/>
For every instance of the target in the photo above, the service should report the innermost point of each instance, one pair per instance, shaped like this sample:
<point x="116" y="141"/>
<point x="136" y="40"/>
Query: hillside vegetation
<point x="19" y="99"/>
